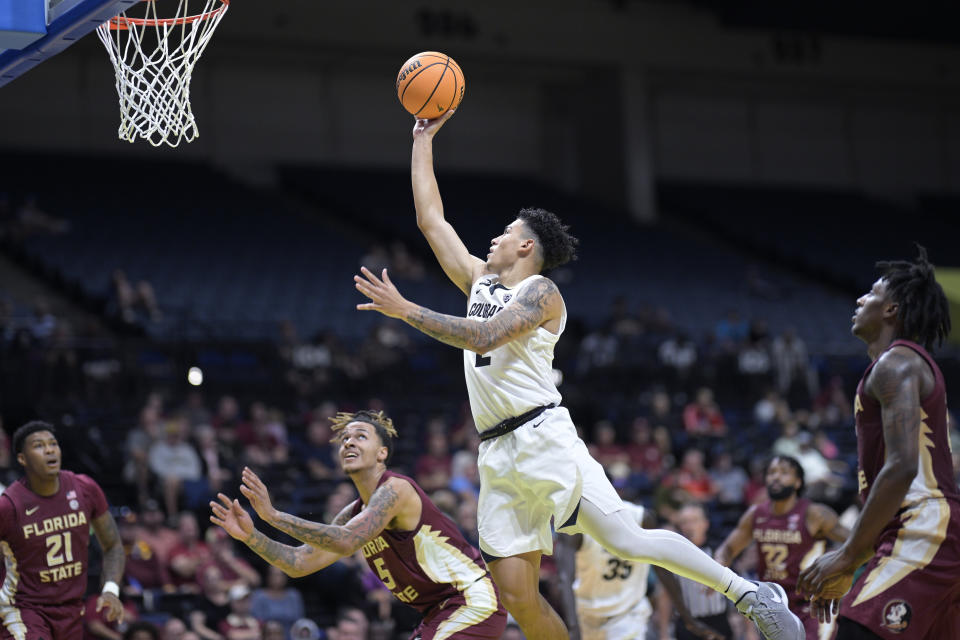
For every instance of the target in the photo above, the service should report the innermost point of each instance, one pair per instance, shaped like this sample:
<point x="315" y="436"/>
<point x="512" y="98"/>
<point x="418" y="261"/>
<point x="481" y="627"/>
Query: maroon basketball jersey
<point x="427" y="565"/>
<point x="935" y="470"/>
<point x="785" y="545"/>
<point x="44" y="540"/>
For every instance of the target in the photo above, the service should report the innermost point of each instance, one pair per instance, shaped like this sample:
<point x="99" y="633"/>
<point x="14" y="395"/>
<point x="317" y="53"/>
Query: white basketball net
<point x="154" y="59"/>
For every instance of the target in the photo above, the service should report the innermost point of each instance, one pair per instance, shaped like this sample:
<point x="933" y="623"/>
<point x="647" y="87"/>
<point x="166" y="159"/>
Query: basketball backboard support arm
<point x="70" y="20"/>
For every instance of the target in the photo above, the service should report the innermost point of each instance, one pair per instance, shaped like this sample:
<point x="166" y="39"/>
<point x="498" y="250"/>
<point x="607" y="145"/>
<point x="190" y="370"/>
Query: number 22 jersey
<point x="44" y="540"/>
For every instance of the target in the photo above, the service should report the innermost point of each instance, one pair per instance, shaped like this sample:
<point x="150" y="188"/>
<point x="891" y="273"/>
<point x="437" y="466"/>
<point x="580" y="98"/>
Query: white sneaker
<point x="768" y="608"/>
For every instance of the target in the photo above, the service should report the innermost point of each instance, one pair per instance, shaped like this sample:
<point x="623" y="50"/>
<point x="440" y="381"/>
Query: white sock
<point x="733" y="586"/>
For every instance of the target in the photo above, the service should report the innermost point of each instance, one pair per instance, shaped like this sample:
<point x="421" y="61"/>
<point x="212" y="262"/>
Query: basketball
<point x="429" y="84"/>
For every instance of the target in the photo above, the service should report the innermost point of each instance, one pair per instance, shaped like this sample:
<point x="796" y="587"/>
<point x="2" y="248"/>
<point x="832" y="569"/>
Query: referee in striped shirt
<point x="706" y="605"/>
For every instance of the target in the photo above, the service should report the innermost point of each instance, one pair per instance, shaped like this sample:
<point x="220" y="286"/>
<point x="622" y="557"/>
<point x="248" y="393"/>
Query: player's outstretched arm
<point x="105" y="528"/>
<point x="296" y="562"/>
<point x="895" y="383"/>
<point x="738" y="540"/>
<point x="461" y="267"/>
<point x="538" y="303"/>
<point x="386" y="503"/>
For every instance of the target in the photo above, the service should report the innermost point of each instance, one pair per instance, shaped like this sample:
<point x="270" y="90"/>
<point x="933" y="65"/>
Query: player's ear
<point x="382" y="454"/>
<point x="891" y="310"/>
<point x="22" y="459"/>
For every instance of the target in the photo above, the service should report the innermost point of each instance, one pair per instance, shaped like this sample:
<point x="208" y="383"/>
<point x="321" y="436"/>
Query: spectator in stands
<point x="305" y="629"/>
<point x="274" y="630"/>
<point x="240" y="624"/>
<point x="143" y="569"/>
<point x="645" y="456"/>
<point x="352" y="624"/>
<point x="130" y="298"/>
<point x="228" y="421"/>
<point x="216" y="460"/>
<point x="195" y="409"/>
<point x="176" y="629"/>
<point x="141" y="630"/>
<point x="702" y="417"/>
<point x="729" y="479"/>
<point x="623" y="322"/>
<point x="264" y="437"/>
<point x="188" y="555"/>
<point x="174" y="462"/>
<point x="796" y="378"/>
<point x="821" y="481"/>
<point x="233" y="569"/>
<point x="604" y="447"/>
<point x="213" y="605"/>
<point x="466" y="519"/>
<point x="731" y="330"/>
<point x="691" y="478"/>
<point x="277" y="601"/>
<point x="662" y="412"/>
<point x="788" y="444"/>
<point x="315" y="454"/>
<point x="832" y="405"/>
<point x="432" y="470"/>
<point x="679" y="354"/>
<point x="766" y="409"/>
<point x="464" y="475"/>
<point x="152" y="530"/>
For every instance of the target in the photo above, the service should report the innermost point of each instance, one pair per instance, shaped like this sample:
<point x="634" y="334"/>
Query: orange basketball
<point x="429" y="84"/>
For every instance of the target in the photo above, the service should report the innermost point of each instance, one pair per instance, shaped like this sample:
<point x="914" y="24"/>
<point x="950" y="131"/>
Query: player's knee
<point x="521" y="603"/>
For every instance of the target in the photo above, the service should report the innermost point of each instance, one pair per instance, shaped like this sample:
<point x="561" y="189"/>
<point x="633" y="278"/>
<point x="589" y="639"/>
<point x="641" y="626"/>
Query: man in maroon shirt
<point x="45" y="521"/>
<point x="790" y="533"/>
<point x="909" y="528"/>
<point x="418" y="553"/>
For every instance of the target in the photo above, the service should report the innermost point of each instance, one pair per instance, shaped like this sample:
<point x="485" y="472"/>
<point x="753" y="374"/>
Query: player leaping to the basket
<point x="534" y="469"/>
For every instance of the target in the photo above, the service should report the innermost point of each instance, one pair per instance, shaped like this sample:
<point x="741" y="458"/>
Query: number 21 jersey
<point x="44" y="540"/>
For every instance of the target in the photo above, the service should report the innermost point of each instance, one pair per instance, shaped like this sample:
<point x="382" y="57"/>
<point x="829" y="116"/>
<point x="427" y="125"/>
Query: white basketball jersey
<point x="515" y="377"/>
<point x="606" y="585"/>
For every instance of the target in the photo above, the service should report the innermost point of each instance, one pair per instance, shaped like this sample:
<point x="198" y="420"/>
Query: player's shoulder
<point x="82" y="479"/>
<point x="893" y="366"/>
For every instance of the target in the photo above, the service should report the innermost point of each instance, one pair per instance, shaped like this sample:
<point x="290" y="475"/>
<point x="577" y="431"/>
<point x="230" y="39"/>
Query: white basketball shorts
<point x="532" y="476"/>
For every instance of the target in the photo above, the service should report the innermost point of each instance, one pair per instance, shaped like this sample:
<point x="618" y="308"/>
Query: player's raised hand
<point x="429" y="128"/>
<point x="231" y="516"/>
<point x="114" y="607"/>
<point x="256" y="492"/>
<point x="383" y="294"/>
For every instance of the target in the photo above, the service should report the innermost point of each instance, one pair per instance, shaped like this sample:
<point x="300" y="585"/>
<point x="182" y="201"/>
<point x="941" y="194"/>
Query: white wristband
<point x="111" y="587"/>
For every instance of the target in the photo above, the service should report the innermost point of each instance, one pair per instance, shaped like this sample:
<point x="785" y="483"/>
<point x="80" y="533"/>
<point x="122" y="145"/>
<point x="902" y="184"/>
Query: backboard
<point x="33" y="30"/>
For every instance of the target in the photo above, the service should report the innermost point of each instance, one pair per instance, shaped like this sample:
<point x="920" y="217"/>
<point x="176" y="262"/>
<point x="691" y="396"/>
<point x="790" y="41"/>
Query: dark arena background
<point x="733" y="173"/>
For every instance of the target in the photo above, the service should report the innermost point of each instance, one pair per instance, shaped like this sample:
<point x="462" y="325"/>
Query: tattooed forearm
<point x="105" y="528"/>
<point x="282" y="556"/>
<point x="528" y="312"/>
<point x="354" y="534"/>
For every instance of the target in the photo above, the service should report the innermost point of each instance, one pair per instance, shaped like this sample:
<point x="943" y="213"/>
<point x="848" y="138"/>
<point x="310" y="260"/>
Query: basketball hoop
<point x="154" y="58"/>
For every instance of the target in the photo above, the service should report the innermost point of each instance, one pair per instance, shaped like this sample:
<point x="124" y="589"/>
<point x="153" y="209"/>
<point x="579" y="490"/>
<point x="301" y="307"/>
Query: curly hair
<point x="793" y="462"/>
<point x="376" y="419"/>
<point x="21" y="434"/>
<point x="557" y="246"/>
<point x="924" y="313"/>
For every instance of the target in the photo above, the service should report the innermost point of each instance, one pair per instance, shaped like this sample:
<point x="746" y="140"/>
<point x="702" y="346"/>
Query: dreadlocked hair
<point x="924" y="313"/>
<point x="376" y="419"/>
<point x="557" y="246"/>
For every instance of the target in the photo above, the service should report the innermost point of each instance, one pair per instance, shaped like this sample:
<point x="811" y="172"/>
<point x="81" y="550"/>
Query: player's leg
<point x="620" y="534"/>
<point x="518" y="579"/>
<point x="765" y="604"/>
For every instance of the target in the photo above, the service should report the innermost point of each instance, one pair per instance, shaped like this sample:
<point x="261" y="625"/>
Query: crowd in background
<point x="675" y="419"/>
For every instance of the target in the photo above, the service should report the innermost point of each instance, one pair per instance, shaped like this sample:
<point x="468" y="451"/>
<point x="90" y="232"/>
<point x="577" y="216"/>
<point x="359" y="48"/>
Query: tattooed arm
<point x="386" y="503"/>
<point x="538" y="303"/>
<point x="300" y="561"/>
<point x="105" y="528"/>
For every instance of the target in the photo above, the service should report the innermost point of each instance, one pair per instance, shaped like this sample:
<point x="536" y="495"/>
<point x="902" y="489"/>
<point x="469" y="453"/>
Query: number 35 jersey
<point x="45" y="539"/>
<point x="606" y="585"/>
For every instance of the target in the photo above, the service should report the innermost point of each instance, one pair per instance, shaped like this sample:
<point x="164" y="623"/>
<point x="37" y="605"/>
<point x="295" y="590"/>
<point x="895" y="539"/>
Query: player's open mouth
<point x="351" y="456"/>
